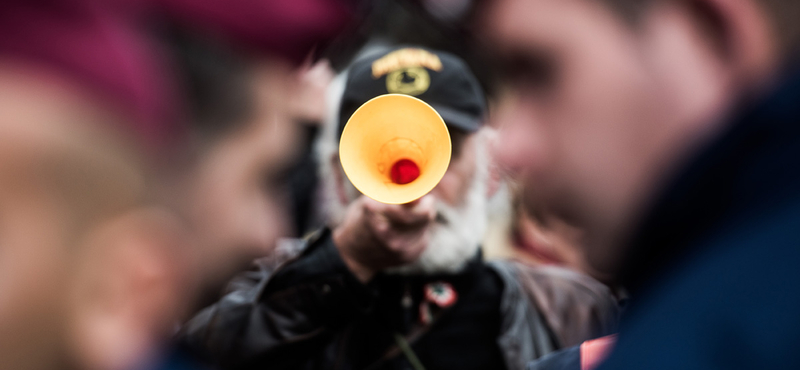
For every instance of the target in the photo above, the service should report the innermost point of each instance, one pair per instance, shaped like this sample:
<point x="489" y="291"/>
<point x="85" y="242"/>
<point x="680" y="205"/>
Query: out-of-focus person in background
<point x="536" y="237"/>
<point x="668" y="131"/>
<point x="92" y="271"/>
<point x="539" y="237"/>
<point x="402" y="285"/>
<point x="549" y="240"/>
<point x="236" y="63"/>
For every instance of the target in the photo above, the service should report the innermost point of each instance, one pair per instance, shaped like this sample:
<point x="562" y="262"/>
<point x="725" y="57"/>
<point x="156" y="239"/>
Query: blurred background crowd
<point x="623" y="190"/>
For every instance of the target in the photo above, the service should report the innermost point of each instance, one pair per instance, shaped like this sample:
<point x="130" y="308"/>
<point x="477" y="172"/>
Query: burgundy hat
<point x="100" y="50"/>
<point x="289" y="29"/>
<point x="95" y="44"/>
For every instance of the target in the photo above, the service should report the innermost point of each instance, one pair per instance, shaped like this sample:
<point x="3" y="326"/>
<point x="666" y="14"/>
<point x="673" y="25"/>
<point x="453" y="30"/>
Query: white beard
<point x="456" y="236"/>
<point x="454" y="239"/>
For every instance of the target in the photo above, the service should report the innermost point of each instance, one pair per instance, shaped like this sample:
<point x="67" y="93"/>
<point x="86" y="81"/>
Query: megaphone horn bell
<point x="395" y="148"/>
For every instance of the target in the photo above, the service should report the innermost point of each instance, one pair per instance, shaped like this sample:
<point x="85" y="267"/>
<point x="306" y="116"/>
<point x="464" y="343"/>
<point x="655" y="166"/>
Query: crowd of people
<point x="620" y="195"/>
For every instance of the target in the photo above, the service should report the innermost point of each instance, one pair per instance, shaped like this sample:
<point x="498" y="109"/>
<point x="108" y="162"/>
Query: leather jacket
<point x="290" y="309"/>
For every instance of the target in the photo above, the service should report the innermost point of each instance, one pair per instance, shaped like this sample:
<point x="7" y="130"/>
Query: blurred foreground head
<point x="91" y="271"/>
<point x="94" y="272"/>
<point x="607" y="97"/>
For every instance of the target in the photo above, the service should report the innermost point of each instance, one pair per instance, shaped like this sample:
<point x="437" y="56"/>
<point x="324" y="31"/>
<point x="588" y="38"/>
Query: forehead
<point x="517" y="23"/>
<point x="35" y="120"/>
<point x="49" y="128"/>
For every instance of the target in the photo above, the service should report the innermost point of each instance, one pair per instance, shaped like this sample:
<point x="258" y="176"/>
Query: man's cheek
<point x="448" y="187"/>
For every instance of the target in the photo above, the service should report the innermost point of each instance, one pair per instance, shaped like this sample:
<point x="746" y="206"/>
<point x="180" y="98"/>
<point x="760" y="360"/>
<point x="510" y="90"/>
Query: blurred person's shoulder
<point x="286" y="250"/>
<point x="575" y="306"/>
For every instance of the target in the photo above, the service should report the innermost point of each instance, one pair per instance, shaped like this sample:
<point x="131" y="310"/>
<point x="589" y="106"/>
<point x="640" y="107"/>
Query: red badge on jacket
<point x="441" y="294"/>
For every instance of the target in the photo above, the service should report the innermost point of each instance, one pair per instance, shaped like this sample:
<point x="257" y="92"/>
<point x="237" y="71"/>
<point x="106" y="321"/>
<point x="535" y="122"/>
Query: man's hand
<point x="375" y="236"/>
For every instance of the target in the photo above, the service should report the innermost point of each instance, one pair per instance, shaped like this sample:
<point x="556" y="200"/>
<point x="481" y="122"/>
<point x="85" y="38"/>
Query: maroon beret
<point x="99" y="50"/>
<point x="289" y="29"/>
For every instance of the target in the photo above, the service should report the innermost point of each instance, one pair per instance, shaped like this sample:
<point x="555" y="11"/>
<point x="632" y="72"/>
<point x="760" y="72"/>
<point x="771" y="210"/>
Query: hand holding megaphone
<point x="394" y="149"/>
<point x="375" y="236"/>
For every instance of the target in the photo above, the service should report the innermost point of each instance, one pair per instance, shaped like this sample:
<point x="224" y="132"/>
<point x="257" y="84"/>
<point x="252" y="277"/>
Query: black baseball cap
<point x="438" y="78"/>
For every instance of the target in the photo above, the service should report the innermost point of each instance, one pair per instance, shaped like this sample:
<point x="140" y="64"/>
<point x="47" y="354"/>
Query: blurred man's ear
<point x="129" y="290"/>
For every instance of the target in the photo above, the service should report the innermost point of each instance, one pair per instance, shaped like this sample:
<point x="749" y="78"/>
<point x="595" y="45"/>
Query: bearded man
<point x="398" y="286"/>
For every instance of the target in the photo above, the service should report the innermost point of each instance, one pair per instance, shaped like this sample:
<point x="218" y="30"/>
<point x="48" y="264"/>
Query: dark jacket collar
<point x="747" y="171"/>
<point x="471" y="268"/>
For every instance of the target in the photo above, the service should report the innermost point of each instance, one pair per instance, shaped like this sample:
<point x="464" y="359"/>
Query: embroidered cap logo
<point x="406" y="70"/>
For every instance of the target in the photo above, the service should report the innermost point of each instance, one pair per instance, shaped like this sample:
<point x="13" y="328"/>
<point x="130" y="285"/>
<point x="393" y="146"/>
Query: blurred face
<point x="597" y="110"/>
<point x="236" y="193"/>
<point x="61" y="175"/>
<point x="32" y="278"/>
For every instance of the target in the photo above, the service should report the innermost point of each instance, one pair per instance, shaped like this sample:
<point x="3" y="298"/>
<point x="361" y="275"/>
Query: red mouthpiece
<point x="404" y="171"/>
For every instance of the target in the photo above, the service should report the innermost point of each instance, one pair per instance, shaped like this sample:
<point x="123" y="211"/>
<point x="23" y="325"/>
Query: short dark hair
<point x="214" y="82"/>
<point x="784" y="14"/>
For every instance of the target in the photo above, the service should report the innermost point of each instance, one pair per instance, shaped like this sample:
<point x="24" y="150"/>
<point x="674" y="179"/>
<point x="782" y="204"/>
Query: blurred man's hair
<point x="785" y="15"/>
<point x="214" y="81"/>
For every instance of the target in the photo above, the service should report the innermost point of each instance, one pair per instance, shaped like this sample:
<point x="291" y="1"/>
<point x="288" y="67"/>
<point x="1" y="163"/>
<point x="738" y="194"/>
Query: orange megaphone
<point x="395" y="148"/>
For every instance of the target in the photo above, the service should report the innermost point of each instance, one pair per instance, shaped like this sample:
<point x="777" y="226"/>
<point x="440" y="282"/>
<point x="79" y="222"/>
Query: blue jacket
<point x="714" y="271"/>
